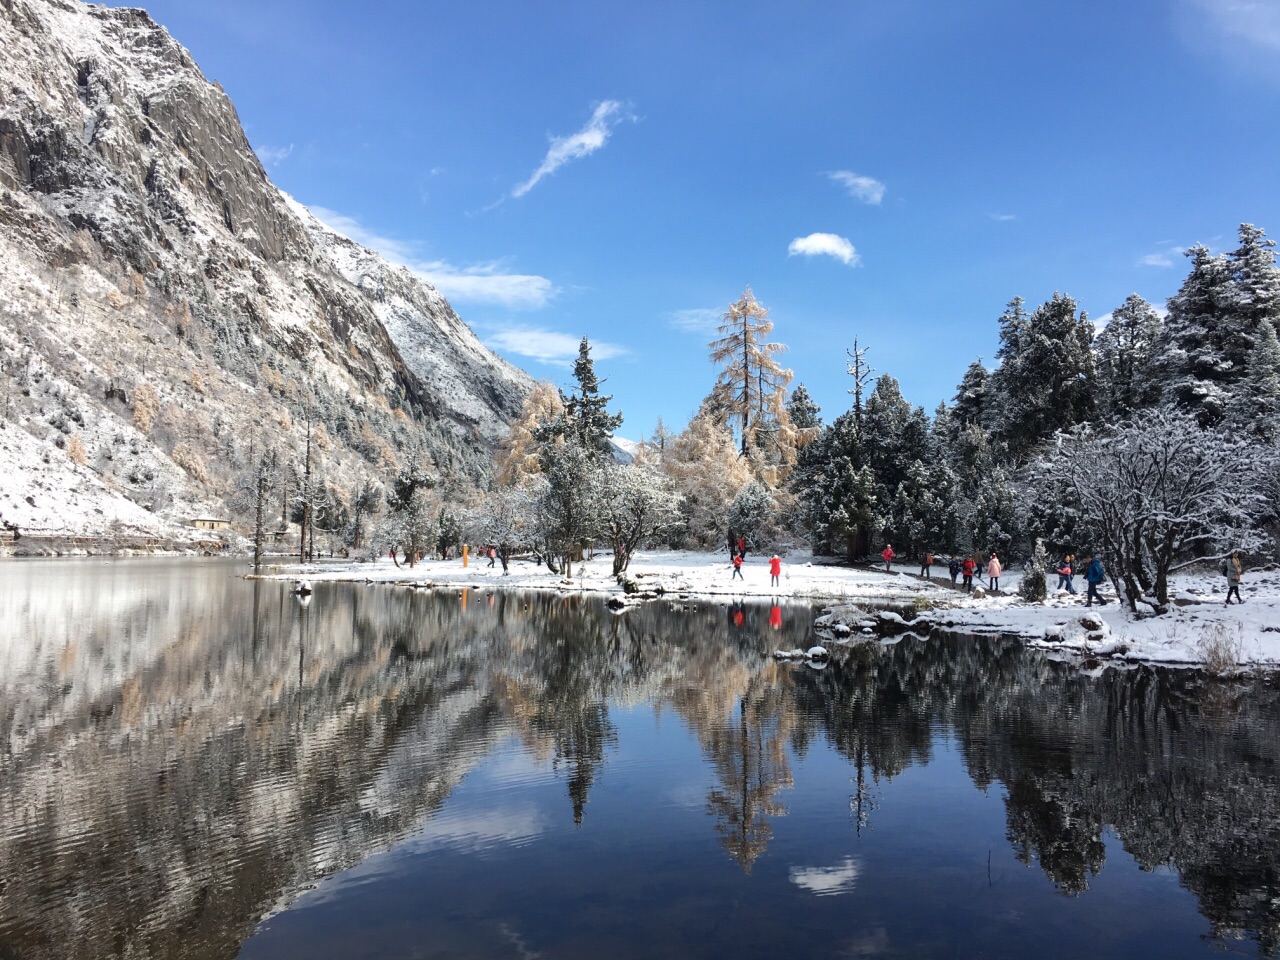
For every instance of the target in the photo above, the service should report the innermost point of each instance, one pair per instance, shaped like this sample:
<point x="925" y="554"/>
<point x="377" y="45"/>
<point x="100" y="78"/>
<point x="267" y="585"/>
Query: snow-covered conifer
<point x="1045" y="379"/>
<point x="1194" y="365"/>
<point x="1033" y="588"/>
<point x="1125" y="351"/>
<point x="1255" y="408"/>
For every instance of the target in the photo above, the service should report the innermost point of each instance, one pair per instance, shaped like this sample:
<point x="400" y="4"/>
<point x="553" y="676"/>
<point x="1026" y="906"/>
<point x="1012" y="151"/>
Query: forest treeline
<point x="1151" y="437"/>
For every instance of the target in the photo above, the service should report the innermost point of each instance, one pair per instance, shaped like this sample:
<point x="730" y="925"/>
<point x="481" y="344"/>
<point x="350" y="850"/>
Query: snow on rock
<point x="144" y="248"/>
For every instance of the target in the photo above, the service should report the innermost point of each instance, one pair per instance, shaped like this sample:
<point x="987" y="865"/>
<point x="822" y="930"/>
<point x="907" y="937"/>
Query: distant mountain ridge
<point x="144" y="251"/>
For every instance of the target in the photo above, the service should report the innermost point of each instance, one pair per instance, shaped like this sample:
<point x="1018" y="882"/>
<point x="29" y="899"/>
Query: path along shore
<point x="1199" y="629"/>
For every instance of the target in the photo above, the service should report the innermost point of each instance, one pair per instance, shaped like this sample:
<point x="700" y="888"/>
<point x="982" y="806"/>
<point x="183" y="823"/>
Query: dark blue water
<point x="195" y="765"/>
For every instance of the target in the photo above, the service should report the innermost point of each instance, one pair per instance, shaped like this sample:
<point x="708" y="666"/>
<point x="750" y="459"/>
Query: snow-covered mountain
<point x="165" y="310"/>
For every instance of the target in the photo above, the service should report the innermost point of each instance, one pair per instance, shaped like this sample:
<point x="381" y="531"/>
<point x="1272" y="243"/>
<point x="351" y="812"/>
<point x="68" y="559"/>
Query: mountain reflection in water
<point x="186" y="752"/>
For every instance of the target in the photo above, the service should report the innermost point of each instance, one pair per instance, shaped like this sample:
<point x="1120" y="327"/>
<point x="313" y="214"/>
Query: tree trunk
<point x="259" y="533"/>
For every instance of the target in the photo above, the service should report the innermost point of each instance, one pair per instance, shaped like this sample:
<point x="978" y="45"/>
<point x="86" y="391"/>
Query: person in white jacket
<point x="993" y="572"/>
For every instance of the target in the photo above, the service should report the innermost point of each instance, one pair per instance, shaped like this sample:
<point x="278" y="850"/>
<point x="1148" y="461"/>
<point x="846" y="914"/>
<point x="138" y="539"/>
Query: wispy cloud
<point x="825" y="245"/>
<point x="827" y="881"/>
<point x="860" y="187"/>
<point x="1166" y="256"/>
<point x="1244" y="34"/>
<point x="272" y="156"/>
<point x="548" y="346"/>
<point x="483" y="283"/>
<point x="607" y="115"/>
<point x="1002" y="217"/>
<point x="1249" y="22"/>
<point x="697" y="320"/>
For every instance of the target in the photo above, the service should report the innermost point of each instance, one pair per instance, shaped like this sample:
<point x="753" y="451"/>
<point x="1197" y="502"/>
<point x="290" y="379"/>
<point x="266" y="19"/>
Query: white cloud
<point x="272" y="156"/>
<point x="1156" y="260"/>
<point x="478" y="283"/>
<point x="1243" y="34"/>
<point x="1249" y="22"/>
<point x="827" y="881"/>
<point x="697" y="320"/>
<point x="1003" y="217"/>
<point x="585" y="142"/>
<point x="825" y="244"/>
<point x="548" y="346"/>
<point x="485" y="283"/>
<point x="866" y="189"/>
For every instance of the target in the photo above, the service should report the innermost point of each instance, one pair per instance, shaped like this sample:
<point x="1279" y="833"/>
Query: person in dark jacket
<point x="1094" y="576"/>
<point x="953" y="568"/>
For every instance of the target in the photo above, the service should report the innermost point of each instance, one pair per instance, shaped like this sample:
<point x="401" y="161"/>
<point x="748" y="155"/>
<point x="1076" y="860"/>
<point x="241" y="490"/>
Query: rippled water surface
<point x="196" y="765"/>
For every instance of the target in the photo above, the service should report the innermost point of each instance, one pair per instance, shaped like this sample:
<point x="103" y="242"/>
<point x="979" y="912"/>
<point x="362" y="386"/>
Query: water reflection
<point x="184" y="751"/>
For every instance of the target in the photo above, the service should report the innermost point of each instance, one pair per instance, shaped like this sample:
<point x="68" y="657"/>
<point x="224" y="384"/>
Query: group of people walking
<point x="738" y="553"/>
<point x="1094" y="576"/>
<point x="958" y="567"/>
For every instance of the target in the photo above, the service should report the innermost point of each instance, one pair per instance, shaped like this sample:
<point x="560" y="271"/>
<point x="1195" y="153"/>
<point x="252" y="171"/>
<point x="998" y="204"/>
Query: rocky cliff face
<point x="166" y="310"/>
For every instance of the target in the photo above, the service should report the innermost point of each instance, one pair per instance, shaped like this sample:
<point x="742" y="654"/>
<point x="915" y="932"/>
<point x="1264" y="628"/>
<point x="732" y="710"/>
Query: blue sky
<point x="891" y="171"/>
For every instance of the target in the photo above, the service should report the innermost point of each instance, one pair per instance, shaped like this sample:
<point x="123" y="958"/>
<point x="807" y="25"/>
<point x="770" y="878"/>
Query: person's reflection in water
<point x="775" y="616"/>
<point x="737" y="615"/>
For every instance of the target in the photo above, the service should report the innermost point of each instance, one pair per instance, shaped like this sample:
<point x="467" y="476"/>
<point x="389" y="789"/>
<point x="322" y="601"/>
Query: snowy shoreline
<point x="1198" y="630"/>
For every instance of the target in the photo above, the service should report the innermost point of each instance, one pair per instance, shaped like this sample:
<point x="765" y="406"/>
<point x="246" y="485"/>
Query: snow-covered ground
<point x="1197" y="628"/>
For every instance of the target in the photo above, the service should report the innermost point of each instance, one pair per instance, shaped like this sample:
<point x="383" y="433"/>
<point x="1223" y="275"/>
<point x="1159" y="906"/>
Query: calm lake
<point x="196" y="765"/>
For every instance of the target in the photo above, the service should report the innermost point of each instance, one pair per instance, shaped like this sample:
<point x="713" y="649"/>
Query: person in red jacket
<point x="888" y="555"/>
<point x="967" y="569"/>
<point x="737" y="566"/>
<point x="775" y="570"/>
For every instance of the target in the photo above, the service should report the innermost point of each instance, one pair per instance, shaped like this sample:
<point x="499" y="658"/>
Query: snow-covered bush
<point x="1033" y="588"/>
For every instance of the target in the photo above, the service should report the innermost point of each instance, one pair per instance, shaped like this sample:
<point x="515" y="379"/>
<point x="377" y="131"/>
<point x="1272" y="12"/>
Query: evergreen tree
<point x="1045" y="379"/>
<point x="896" y="435"/>
<point x="750" y="515"/>
<point x="1193" y="357"/>
<point x="971" y="395"/>
<point x="1253" y="296"/>
<point x="1255" y="408"/>
<point x="587" y="418"/>
<point x="1125" y="349"/>
<point x="805" y="414"/>
<point x="837" y="489"/>
<point x="752" y="383"/>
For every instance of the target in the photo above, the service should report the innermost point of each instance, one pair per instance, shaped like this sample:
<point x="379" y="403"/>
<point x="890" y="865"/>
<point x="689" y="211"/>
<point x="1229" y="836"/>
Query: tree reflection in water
<point x="185" y="749"/>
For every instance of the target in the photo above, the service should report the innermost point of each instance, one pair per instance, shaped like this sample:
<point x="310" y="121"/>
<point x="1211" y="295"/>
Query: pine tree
<point x="1193" y="363"/>
<point x="751" y="383"/>
<point x="837" y="489"/>
<point x="1253" y="296"/>
<point x="1125" y="350"/>
<point x="586" y="412"/>
<point x="1255" y="408"/>
<point x="971" y="396"/>
<point x="1046" y="375"/>
<point x="805" y="414"/>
